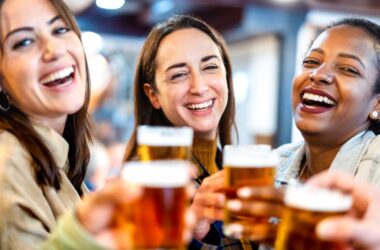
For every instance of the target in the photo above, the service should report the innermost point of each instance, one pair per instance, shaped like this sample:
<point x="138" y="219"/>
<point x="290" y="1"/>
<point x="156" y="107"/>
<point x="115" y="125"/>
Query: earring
<point x="374" y="115"/>
<point x="5" y="103"/>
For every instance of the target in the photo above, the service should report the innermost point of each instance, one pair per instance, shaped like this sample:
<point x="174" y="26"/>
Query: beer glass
<point x="157" y="219"/>
<point x="247" y="165"/>
<point x="305" y="207"/>
<point x="162" y="143"/>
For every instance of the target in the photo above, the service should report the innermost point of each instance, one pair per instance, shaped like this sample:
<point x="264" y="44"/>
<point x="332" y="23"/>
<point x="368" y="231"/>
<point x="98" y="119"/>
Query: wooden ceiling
<point x="136" y="17"/>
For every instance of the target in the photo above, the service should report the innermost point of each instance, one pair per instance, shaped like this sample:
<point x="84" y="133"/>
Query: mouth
<point x="201" y="106"/>
<point x="317" y="99"/>
<point x="59" y="78"/>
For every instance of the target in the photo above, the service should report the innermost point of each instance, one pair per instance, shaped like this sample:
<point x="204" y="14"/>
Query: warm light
<point x="110" y="4"/>
<point x="92" y="42"/>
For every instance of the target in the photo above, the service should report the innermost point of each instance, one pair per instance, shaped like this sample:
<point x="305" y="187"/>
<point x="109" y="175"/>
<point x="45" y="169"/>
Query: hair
<point x="76" y="131"/>
<point x="145" y="113"/>
<point x="373" y="30"/>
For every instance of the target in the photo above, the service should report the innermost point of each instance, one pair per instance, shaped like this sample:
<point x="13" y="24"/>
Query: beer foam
<point x="259" y="155"/>
<point x="164" y="136"/>
<point x="168" y="173"/>
<point x="316" y="199"/>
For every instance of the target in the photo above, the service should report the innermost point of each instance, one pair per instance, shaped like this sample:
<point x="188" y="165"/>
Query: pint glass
<point x="305" y="207"/>
<point x="247" y="165"/>
<point x="157" y="219"/>
<point x="162" y="143"/>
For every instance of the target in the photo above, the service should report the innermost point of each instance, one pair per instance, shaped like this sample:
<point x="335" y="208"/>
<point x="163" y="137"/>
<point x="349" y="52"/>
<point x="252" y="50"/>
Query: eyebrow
<point x="180" y="65"/>
<point x="28" y="28"/>
<point x="345" y="55"/>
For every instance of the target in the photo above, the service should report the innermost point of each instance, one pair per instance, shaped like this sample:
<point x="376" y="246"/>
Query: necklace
<point x="304" y="169"/>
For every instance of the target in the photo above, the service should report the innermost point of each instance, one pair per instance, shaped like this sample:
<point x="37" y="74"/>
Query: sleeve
<point x="215" y="240"/>
<point x="69" y="235"/>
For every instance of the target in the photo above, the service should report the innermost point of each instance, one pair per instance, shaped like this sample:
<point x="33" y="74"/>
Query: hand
<point x="96" y="213"/>
<point x="360" y="228"/>
<point x="208" y="203"/>
<point x="261" y="205"/>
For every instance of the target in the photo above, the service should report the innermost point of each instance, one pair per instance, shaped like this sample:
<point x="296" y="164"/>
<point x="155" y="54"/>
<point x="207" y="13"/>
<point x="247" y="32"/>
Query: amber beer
<point x="305" y="207"/>
<point x="157" y="219"/>
<point x="162" y="143"/>
<point x="247" y="165"/>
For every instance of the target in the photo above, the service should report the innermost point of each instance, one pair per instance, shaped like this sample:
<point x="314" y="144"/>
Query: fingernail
<point x="234" y="205"/>
<point x="221" y="199"/>
<point x="325" y="229"/>
<point x="233" y="230"/>
<point x="244" y="192"/>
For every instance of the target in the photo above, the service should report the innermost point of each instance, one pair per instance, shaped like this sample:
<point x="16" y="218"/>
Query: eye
<point x="349" y="70"/>
<point x="22" y="43"/>
<point x="61" y="30"/>
<point x="178" y="76"/>
<point x="211" y="67"/>
<point x="310" y="62"/>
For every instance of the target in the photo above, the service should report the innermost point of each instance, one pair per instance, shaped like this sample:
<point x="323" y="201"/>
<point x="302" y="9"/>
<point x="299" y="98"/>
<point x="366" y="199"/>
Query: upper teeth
<point x="57" y="75"/>
<point x="201" y="105"/>
<point x="318" y="98"/>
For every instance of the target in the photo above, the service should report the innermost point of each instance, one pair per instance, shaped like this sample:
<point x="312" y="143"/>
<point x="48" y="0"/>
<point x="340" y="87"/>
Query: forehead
<point x="18" y="13"/>
<point x="185" y="44"/>
<point x="347" y="39"/>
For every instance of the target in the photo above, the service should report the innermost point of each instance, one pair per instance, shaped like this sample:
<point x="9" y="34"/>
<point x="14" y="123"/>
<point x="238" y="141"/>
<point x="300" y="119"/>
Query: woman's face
<point x="333" y="93"/>
<point x="42" y="64"/>
<point x="191" y="81"/>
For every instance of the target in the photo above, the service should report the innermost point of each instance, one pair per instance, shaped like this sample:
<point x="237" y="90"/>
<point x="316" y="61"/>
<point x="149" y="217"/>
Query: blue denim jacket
<point x="359" y="156"/>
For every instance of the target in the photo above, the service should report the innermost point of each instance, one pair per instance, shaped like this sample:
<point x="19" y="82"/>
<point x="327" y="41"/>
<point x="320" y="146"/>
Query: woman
<point x="336" y="106"/>
<point x="44" y="134"/>
<point x="184" y="78"/>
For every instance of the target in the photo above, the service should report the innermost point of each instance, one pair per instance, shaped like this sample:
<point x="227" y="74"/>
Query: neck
<point x="319" y="159"/>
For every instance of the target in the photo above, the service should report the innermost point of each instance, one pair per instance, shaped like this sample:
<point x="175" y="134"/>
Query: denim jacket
<point x="359" y="156"/>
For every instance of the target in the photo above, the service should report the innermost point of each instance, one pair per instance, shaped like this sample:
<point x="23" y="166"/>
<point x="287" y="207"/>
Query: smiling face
<point x="333" y="94"/>
<point x="42" y="65"/>
<point x="191" y="83"/>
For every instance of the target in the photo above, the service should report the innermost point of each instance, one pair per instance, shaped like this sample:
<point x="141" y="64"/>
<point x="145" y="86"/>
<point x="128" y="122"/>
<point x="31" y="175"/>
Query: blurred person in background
<point x="184" y="78"/>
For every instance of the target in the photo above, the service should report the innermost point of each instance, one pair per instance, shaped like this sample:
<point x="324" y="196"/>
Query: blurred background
<point x="266" y="38"/>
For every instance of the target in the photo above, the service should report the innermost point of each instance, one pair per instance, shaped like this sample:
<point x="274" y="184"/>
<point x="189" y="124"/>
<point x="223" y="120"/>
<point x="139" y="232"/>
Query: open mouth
<point x="60" y="77"/>
<point x="201" y="106"/>
<point x="315" y="100"/>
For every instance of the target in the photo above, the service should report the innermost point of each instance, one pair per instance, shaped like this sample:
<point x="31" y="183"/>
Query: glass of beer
<point x="157" y="219"/>
<point x="163" y="143"/>
<point x="247" y="166"/>
<point x="305" y="207"/>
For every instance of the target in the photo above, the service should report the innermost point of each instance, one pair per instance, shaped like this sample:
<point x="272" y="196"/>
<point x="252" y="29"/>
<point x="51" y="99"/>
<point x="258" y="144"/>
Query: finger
<point x="255" y="208"/>
<point x="272" y="194"/>
<point x="255" y="232"/>
<point x="347" y="229"/>
<point x="213" y="183"/>
<point x="209" y="199"/>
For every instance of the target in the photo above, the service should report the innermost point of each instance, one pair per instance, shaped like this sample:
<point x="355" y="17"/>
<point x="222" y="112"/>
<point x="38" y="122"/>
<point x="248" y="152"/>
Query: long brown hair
<point x="145" y="113"/>
<point x="76" y="132"/>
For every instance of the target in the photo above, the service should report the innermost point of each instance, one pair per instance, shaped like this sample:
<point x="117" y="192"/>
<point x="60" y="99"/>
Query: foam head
<point x="164" y="136"/>
<point x="170" y="173"/>
<point x="259" y="155"/>
<point x="316" y="199"/>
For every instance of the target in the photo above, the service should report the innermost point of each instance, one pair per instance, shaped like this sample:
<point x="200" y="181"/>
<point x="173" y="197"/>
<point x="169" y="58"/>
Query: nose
<point x="321" y="76"/>
<point x="52" y="49"/>
<point x="198" y="84"/>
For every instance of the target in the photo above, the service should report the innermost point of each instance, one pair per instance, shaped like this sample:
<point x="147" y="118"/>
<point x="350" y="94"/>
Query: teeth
<point x="318" y="98"/>
<point x="57" y="75"/>
<point x="201" y="105"/>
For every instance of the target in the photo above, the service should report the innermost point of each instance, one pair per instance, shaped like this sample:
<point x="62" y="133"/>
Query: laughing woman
<point x="336" y="106"/>
<point x="184" y="78"/>
<point x="44" y="134"/>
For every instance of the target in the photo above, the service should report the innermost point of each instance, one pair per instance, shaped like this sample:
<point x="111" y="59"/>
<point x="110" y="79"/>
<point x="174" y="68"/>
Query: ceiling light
<point x="110" y="4"/>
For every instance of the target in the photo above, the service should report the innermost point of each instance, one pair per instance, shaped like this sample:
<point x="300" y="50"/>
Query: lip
<point x="315" y="109"/>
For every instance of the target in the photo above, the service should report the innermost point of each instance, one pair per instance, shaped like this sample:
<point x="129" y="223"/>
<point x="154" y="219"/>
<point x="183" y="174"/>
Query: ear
<point x="152" y="95"/>
<point x="375" y="112"/>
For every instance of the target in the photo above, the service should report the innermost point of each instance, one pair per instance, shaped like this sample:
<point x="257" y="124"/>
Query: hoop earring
<point x="7" y="103"/>
<point x="374" y="115"/>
